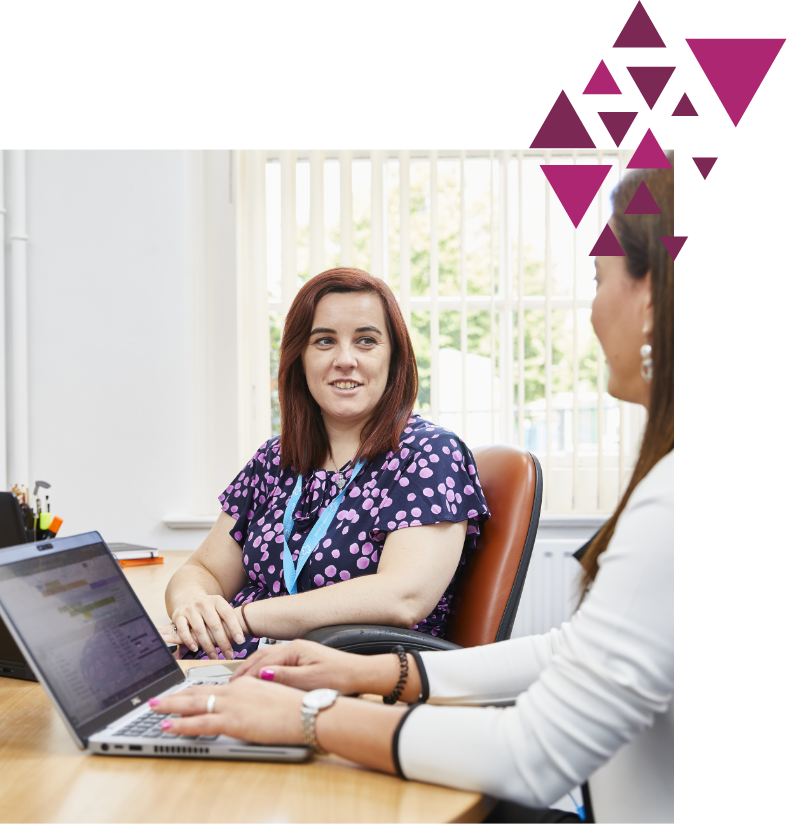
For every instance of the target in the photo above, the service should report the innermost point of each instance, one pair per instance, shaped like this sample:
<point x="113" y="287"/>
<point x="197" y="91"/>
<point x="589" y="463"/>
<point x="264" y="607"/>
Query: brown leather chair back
<point x="490" y="584"/>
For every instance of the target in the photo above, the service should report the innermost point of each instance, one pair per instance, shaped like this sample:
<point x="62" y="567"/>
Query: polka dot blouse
<point x="430" y="478"/>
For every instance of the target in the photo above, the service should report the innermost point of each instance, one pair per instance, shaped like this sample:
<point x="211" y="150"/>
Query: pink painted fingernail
<point x="165" y="725"/>
<point x="266" y="674"/>
<point x="154" y="702"/>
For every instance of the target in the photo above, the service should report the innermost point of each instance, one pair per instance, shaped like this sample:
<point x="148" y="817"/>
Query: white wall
<point x="111" y="340"/>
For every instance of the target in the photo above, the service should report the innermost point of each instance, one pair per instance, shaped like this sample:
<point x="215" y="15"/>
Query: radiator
<point x="550" y="593"/>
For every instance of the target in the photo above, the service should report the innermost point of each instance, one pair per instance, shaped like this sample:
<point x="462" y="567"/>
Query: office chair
<point x="490" y="584"/>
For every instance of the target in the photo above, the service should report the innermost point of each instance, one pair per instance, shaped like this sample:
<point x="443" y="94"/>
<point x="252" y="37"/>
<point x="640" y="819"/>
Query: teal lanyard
<point x="315" y="536"/>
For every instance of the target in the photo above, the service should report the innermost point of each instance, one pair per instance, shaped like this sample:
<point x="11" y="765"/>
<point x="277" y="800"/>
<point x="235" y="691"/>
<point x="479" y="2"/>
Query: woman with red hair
<point x="357" y="491"/>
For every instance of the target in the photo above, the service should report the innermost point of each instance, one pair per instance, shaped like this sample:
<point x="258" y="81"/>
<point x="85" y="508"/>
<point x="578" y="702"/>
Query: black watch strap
<point x="424" y="696"/>
<point x="395" y="742"/>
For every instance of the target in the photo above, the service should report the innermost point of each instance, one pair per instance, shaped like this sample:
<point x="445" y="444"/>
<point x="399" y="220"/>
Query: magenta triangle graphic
<point x="639" y="32"/>
<point x="607" y="244"/>
<point x="649" y="155"/>
<point x="705" y="164"/>
<point x="673" y="245"/>
<point x="576" y="186"/>
<point x="617" y="124"/>
<point x="562" y="128"/>
<point x="651" y="80"/>
<point x="602" y="82"/>
<point x="735" y="69"/>
<point x="685" y="108"/>
<point x="643" y="202"/>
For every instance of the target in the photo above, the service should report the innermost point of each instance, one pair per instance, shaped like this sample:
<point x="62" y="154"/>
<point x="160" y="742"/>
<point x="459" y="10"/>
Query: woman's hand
<point x="168" y="634"/>
<point x="309" y="666"/>
<point x="197" y="593"/>
<point x="263" y="713"/>
<point x="247" y="709"/>
<point x="207" y="622"/>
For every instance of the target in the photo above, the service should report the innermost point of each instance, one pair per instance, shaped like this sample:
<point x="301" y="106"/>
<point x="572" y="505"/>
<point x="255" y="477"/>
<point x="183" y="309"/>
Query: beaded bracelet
<point x="397" y="690"/>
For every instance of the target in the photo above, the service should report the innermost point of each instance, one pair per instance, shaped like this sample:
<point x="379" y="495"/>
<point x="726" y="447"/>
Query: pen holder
<point x="29" y="521"/>
<point x="42" y="526"/>
<point x="38" y="528"/>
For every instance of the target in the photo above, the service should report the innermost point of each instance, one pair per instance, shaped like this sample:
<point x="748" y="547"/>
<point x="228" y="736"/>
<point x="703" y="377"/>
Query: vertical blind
<point x="493" y="280"/>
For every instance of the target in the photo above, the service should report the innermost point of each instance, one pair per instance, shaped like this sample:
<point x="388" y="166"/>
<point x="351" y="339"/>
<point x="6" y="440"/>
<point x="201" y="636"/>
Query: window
<point x="466" y="240"/>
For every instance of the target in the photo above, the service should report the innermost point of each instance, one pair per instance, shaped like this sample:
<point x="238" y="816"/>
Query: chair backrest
<point x="490" y="584"/>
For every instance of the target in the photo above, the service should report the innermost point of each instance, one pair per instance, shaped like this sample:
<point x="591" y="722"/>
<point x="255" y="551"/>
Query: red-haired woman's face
<point x="347" y="358"/>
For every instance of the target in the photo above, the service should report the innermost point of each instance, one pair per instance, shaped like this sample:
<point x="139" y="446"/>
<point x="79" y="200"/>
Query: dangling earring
<point x="646" y="367"/>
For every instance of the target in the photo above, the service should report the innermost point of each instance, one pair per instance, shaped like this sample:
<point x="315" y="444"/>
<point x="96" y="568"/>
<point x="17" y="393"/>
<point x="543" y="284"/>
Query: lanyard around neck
<point x="315" y="536"/>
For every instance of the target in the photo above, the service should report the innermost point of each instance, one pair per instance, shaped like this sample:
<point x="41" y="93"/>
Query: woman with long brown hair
<point x="592" y="699"/>
<point x="362" y="509"/>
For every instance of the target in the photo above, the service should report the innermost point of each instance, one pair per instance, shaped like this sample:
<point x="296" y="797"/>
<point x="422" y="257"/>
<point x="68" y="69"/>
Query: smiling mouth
<point x="345" y="384"/>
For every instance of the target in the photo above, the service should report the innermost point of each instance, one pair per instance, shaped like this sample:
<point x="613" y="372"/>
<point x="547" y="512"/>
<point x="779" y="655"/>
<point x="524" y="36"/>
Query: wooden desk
<point x="46" y="778"/>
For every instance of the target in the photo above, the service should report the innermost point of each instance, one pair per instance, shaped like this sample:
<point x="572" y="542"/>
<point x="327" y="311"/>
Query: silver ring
<point x="174" y="629"/>
<point x="211" y="703"/>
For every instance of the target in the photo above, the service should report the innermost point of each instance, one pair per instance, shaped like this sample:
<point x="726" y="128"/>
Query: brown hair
<point x="304" y="441"/>
<point x="640" y="236"/>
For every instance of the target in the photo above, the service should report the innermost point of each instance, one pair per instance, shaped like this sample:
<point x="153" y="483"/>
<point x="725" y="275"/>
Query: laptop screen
<point x="84" y="627"/>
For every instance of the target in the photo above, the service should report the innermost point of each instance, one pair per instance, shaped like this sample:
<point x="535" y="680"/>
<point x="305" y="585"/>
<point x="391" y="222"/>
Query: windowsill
<point x="568" y="520"/>
<point x="190" y="521"/>
<point x="591" y="519"/>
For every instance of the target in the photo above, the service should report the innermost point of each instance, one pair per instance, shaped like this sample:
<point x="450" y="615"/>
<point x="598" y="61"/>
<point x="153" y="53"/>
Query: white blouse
<point x="590" y="699"/>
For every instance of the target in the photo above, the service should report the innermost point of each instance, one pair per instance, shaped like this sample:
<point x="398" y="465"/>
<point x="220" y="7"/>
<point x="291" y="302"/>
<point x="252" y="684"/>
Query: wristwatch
<point x="313" y="702"/>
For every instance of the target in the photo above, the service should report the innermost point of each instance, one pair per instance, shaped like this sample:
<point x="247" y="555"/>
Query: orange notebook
<point x="141" y="561"/>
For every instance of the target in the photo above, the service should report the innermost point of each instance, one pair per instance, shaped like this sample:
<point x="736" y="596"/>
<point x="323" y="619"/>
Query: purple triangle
<point x="735" y="69"/>
<point x="651" y="80"/>
<point x="685" y="108"/>
<point x="639" y="32"/>
<point x="607" y="244"/>
<point x="649" y="155"/>
<point x="562" y="128"/>
<point x="705" y="164"/>
<point x="643" y="202"/>
<point x="602" y="82"/>
<point x="673" y="245"/>
<point x="576" y="186"/>
<point x="617" y="124"/>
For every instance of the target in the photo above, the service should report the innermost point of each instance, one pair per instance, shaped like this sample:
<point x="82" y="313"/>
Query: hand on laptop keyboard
<point x="149" y="726"/>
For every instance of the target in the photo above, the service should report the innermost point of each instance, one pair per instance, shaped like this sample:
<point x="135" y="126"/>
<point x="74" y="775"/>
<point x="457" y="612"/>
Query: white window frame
<point x="231" y="295"/>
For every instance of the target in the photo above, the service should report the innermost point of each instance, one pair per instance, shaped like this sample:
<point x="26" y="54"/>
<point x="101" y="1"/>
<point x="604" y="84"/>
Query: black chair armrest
<point x="371" y="639"/>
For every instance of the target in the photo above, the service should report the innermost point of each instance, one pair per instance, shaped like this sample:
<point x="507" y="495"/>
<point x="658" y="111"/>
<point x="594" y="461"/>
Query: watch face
<point x="320" y="699"/>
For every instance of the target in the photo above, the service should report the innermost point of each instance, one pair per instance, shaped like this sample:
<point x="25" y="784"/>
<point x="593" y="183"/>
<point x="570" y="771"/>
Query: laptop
<point x="87" y="638"/>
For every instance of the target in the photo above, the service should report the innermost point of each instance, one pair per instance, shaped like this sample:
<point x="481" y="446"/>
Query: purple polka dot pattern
<point x="430" y="478"/>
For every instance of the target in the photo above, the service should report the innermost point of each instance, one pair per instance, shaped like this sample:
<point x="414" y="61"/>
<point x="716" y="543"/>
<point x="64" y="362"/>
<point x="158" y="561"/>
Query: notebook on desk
<point x="98" y="655"/>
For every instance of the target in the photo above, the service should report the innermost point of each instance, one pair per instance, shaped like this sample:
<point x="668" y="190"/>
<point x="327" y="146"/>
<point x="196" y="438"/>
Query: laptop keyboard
<point x="149" y="726"/>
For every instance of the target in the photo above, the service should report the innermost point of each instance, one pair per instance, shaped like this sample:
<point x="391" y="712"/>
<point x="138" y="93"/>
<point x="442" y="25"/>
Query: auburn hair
<point x="304" y="440"/>
<point x="640" y="236"/>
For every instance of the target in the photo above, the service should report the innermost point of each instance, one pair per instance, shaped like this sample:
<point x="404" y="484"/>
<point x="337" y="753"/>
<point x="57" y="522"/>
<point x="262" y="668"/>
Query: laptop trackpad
<point x="198" y="673"/>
